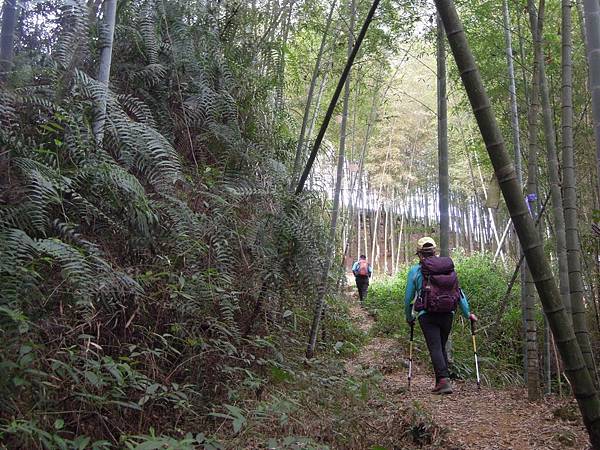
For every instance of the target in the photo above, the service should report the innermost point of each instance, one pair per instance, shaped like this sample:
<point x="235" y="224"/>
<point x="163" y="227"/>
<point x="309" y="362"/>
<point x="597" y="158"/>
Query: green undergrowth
<point x="295" y="403"/>
<point x="322" y="404"/>
<point x="341" y="334"/>
<point x="268" y="389"/>
<point x="484" y="283"/>
<point x="155" y="280"/>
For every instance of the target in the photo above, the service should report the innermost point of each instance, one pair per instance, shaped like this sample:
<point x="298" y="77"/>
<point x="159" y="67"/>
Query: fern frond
<point x="142" y="148"/>
<point x="164" y="166"/>
<point x="17" y="250"/>
<point x="149" y="76"/>
<point x="136" y="109"/>
<point x="7" y="109"/>
<point x="74" y="20"/>
<point x="75" y="268"/>
<point x="42" y="195"/>
<point x="182" y="229"/>
<point x="15" y="247"/>
<point x="36" y="101"/>
<point x="148" y="32"/>
<point x="100" y="222"/>
<point x="113" y="284"/>
<point x="115" y="190"/>
<point x="68" y="233"/>
<point x="88" y="87"/>
<point x="242" y="189"/>
<point x="16" y="216"/>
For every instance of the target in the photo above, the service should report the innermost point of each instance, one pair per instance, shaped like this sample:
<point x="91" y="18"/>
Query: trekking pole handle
<point x="412" y="330"/>
<point x="472" y="326"/>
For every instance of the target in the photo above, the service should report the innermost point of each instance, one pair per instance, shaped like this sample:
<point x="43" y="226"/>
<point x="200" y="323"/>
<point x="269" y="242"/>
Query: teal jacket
<point x="414" y="283"/>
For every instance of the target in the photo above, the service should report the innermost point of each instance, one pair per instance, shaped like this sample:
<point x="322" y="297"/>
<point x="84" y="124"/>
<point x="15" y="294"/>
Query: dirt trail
<point x="484" y="420"/>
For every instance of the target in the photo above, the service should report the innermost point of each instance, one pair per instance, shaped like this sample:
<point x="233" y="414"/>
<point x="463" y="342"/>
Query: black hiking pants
<point x="436" y="329"/>
<point x="362" y="283"/>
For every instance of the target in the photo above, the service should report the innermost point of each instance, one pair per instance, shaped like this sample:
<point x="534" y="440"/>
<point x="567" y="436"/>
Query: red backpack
<point x="363" y="267"/>
<point x="440" y="291"/>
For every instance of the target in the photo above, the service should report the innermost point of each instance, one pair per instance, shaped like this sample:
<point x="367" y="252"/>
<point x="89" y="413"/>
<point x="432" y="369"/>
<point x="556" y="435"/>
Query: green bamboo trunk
<point x="579" y="377"/>
<point x="442" y="117"/>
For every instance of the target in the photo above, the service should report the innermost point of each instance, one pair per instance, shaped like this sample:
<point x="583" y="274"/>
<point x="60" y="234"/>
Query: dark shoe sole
<point x="444" y="391"/>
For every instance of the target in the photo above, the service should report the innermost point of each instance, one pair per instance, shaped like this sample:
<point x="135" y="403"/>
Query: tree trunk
<point x="581" y="381"/>
<point x="386" y="211"/>
<point x="591" y="10"/>
<point x="315" y="114"/>
<point x="426" y="208"/>
<point x="379" y="203"/>
<point x="442" y="124"/>
<point x="442" y="129"/>
<point x="279" y="100"/>
<point x="334" y="99"/>
<point x="579" y="322"/>
<point x="354" y="205"/>
<point x="363" y="199"/>
<point x="107" y="33"/>
<point x="7" y="37"/>
<point x="514" y="110"/>
<point x="547" y="358"/>
<point x="489" y="214"/>
<point x="358" y="210"/>
<point x="476" y="206"/>
<point x="404" y="217"/>
<point x="551" y="155"/>
<point x="589" y="275"/>
<point x="469" y="217"/>
<point x="314" y="330"/>
<point x="570" y="194"/>
<point x="514" y="116"/>
<point x="311" y="89"/>
<point x="504" y="300"/>
<point x="531" y="357"/>
<point x="360" y="207"/>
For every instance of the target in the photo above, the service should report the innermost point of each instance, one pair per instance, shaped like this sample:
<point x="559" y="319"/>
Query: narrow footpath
<point x="483" y="419"/>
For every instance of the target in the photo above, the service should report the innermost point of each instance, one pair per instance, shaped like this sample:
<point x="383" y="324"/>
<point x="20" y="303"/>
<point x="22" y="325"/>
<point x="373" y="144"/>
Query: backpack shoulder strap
<point x="425" y="275"/>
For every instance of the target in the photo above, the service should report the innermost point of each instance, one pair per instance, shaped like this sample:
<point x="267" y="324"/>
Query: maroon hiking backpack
<point x="440" y="291"/>
<point x="363" y="268"/>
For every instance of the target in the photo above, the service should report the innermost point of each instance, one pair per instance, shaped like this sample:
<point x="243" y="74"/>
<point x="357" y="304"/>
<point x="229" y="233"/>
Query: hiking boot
<point x="442" y="387"/>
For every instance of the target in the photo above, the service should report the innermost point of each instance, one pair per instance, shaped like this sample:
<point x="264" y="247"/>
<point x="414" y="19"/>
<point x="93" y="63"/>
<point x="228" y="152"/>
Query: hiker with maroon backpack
<point x="362" y="272"/>
<point x="432" y="296"/>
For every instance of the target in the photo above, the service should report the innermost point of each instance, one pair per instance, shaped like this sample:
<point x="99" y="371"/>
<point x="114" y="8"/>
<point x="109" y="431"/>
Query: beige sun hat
<point x="425" y="243"/>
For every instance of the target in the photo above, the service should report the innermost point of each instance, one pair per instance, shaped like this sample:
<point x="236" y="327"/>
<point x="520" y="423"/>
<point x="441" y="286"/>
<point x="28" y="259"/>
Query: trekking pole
<point x="410" y="351"/>
<point x="475" y="352"/>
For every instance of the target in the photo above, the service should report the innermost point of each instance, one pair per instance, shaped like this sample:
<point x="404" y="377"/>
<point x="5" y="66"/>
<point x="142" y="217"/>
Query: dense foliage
<point x="150" y="277"/>
<point x="158" y="280"/>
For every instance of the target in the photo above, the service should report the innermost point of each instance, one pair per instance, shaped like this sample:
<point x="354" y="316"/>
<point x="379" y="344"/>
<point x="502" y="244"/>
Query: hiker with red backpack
<point x="362" y="272"/>
<point x="432" y="296"/>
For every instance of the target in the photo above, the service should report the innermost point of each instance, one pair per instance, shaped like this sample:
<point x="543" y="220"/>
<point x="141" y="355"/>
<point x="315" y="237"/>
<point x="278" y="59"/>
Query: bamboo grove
<point x="185" y="184"/>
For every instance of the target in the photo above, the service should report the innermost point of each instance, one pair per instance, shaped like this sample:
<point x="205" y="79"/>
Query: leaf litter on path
<point x="485" y="419"/>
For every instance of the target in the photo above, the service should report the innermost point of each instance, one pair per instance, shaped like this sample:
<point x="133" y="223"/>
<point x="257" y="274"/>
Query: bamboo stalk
<point x="577" y="373"/>
<point x="334" y="99"/>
